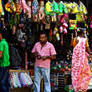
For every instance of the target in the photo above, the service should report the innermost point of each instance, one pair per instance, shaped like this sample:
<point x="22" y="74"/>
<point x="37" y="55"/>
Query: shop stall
<point x="22" y="21"/>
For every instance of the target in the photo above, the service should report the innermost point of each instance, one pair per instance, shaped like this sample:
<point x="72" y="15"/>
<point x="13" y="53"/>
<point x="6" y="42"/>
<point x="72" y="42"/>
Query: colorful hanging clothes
<point x="82" y="10"/>
<point x="48" y="8"/>
<point x="1" y="8"/>
<point x="80" y="68"/>
<point x="62" y="8"/>
<point x="55" y="7"/>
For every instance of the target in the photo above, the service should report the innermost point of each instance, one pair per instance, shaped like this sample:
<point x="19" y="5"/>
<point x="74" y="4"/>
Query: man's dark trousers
<point x="4" y="79"/>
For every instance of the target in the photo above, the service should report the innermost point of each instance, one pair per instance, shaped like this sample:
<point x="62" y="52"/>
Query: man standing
<point x="44" y="52"/>
<point x="4" y="65"/>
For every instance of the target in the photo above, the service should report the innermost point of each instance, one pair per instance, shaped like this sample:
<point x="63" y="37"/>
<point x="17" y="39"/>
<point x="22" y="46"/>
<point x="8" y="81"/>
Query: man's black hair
<point x="43" y="32"/>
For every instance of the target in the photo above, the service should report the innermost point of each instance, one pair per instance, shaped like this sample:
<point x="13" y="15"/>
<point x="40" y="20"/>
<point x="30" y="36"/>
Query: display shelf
<point x="59" y="79"/>
<point x="25" y="89"/>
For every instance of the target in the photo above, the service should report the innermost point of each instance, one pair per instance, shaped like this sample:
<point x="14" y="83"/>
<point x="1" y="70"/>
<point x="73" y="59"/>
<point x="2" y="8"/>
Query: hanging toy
<point x="64" y="8"/>
<point x="74" y="9"/>
<point x="55" y="7"/>
<point x="29" y="3"/>
<point x="68" y="6"/>
<point x="35" y="10"/>
<point x="82" y="11"/>
<point x="54" y="18"/>
<point x="18" y="8"/>
<point x="64" y="26"/>
<point x="82" y="8"/>
<point x="13" y="7"/>
<point x="55" y="11"/>
<point x="7" y="7"/>
<point x="41" y="10"/>
<point x="72" y="24"/>
<point x="34" y="7"/>
<point x="48" y="8"/>
<point x="58" y="36"/>
<point x="56" y="33"/>
<point x="1" y="8"/>
<point x="60" y="7"/>
<point x="10" y="6"/>
<point x="24" y="6"/>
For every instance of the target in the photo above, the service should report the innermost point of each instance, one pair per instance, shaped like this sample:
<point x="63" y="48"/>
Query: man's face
<point x="43" y="38"/>
<point x="0" y="37"/>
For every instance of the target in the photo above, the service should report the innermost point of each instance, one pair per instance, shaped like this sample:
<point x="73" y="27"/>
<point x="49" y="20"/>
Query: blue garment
<point x="38" y="74"/>
<point x="4" y="79"/>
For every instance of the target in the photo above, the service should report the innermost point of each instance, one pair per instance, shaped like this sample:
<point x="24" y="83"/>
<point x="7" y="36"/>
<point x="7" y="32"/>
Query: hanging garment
<point x="35" y="7"/>
<point x="1" y="8"/>
<point x="55" y="7"/>
<point x="62" y="8"/>
<point x="48" y="8"/>
<point x="24" y="6"/>
<point x="80" y="68"/>
<point x="14" y="57"/>
<point x="81" y="11"/>
<point x="20" y="35"/>
<point x="10" y="6"/>
<point x="68" y="6"/>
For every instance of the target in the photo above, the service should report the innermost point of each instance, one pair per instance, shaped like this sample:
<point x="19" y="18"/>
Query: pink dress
<point x="80" y="68"/>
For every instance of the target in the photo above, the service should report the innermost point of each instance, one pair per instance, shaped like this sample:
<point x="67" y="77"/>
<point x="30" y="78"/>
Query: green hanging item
<point x="60" y="7"/>
<point x="48" y="8"/>
<point x="14" y="20"/>
<point x="65" y="8"/>
<point x="72" y="24"/>
<point x="55" y="7"/>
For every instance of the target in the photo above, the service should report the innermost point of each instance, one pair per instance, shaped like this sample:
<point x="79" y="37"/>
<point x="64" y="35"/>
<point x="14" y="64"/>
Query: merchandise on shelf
<point x="20" y="80"/>
<point x="69" y="88"/>
<point x="61" y="66"/>
<point x="59" y="80"/>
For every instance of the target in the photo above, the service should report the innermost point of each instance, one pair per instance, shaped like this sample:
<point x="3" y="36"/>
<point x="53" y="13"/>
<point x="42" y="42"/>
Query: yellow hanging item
<point x="0" y="7"/>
